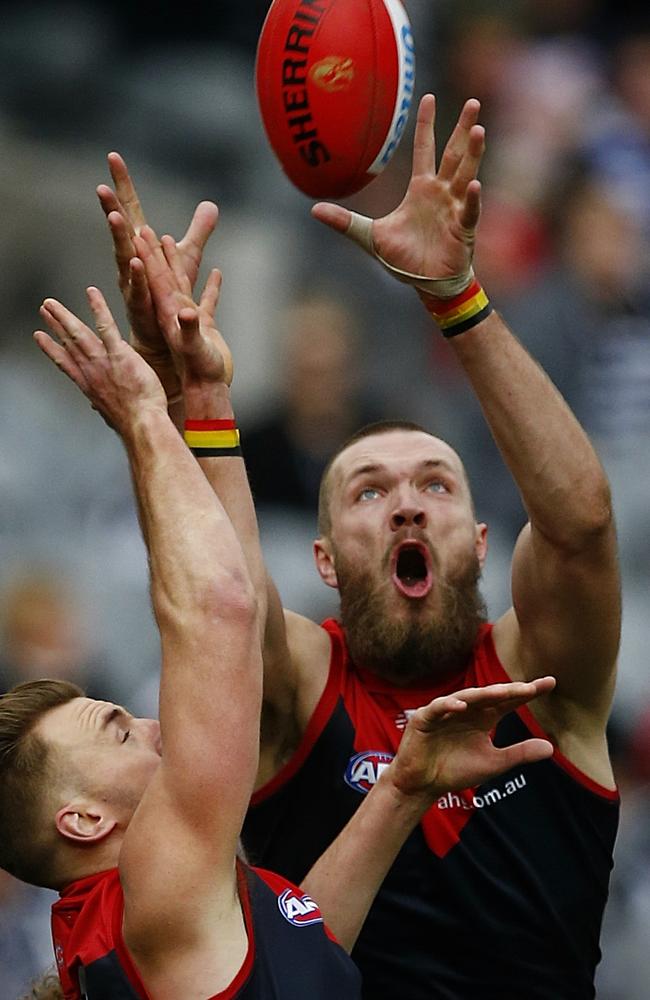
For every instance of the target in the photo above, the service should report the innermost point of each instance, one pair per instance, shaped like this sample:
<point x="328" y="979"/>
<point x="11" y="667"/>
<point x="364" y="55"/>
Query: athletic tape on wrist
<point x="360" y="232"/>
<point x="461" y="313"/>
<point x="212" y="438"/>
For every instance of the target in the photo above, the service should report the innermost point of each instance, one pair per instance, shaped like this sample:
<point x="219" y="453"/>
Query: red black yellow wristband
<point x="461" y="313"/>
<point x="212" y="438"/>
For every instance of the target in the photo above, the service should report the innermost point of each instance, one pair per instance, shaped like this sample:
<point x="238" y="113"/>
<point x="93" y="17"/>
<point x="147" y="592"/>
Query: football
<point x="335" y="81"/>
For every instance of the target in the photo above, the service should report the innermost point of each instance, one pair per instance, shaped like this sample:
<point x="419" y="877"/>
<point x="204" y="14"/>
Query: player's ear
<point x="325" y="562"/>
<point x="83" y="822"/>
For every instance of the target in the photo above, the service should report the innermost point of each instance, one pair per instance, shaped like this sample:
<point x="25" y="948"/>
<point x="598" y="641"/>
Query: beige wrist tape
<point x="360" y="232"/>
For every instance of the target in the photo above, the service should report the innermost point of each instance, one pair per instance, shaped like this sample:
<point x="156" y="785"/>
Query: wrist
<point x="207" y="401"/>
<point x="146" y="422"/>
<point x="410" y="805"/>
<point x="458" y="314"/>
<point x="217" y="438"/>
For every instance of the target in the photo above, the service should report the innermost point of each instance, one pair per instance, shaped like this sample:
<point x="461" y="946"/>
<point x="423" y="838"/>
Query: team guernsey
<point x="291" y="954"/>
<point x="498" y="894"/>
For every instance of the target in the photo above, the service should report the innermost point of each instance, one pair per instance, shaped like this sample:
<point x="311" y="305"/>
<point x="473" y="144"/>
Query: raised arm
<point x="203" y="360"/>
<point x="566" y="615"/>
<point x="446" y="747"/>
<point x="185" y="830"/>
<point x="295" y="650"/>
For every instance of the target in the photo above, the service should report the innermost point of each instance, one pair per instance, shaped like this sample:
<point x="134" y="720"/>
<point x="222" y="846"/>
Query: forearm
<point x="556" y="468"/>
<point x="186" y="531"/>
<point x="346" y="878"/>
<point x="229" y="482"/>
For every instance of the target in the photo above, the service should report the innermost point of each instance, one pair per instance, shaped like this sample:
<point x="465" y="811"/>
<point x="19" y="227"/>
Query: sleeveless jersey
<point x="291" y="954"/>
<point x="498" y="894"/>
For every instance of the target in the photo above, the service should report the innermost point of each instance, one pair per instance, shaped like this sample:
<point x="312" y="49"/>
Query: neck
<point x="81" y="862"/>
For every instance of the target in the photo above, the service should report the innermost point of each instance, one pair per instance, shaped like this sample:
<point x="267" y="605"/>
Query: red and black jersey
<point x="499" y="893"/>
<point x="291" y="954"/>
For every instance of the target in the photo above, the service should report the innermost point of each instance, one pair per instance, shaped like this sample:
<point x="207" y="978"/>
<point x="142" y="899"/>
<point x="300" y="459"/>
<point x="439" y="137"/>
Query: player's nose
<point x="408" y="511"/>
<point x="150" y="730"/>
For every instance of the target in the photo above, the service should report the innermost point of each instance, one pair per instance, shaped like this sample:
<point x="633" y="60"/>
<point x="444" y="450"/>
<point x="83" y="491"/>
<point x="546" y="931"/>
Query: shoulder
<point x="310" y="645"/>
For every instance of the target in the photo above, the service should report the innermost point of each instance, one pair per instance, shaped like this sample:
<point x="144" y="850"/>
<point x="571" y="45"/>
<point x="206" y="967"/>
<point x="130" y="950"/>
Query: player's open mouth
<point x="412" y="569"/>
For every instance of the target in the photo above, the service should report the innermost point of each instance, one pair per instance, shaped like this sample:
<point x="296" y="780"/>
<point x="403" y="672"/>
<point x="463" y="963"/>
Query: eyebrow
<point x="110" y="715"/>
<point x="427" y="464"/>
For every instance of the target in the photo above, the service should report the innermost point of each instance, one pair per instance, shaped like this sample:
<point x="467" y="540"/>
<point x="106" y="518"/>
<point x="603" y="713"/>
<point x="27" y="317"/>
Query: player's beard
<point x="417" y="647"/>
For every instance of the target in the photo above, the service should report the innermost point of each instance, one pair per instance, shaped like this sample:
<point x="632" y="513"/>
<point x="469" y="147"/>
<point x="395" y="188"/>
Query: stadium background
<point x="322" y="338"/>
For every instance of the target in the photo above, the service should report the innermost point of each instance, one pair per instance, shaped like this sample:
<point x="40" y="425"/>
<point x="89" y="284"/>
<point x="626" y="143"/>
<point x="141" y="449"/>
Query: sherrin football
<point x="335" y="81"/>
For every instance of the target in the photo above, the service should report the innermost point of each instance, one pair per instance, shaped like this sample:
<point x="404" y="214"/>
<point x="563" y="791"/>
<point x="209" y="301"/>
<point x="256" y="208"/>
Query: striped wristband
<point x="212" y="438"/>
<point x="461" y="313"/>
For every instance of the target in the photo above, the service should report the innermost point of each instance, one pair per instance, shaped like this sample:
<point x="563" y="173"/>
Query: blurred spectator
<point x="321" y="402"/>
<point x="43" y="635"/>
<point x="320" y="405"/>
<point x="617" y="135"/>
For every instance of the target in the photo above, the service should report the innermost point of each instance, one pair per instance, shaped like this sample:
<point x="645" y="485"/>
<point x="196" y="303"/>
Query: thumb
<point x="188" y="321"/>
<point x="335" y="216"/>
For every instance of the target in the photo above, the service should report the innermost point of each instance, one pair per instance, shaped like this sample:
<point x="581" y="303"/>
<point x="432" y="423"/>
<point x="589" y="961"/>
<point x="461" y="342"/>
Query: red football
<point x="335" y="81"/>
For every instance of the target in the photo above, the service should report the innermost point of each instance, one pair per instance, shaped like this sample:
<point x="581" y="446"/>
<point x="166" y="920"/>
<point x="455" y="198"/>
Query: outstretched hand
<point x="109" y="372"/>
<point x="126" y="220"/>
<point x="201" y="355"/>
<point x="431" y="233"/>
<point x="447" y="744"/>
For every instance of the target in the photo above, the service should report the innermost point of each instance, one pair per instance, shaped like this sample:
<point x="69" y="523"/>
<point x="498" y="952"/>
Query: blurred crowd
<point x="323" y="340"/>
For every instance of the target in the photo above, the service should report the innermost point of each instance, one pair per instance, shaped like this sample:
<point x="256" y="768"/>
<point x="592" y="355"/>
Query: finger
<point x="61" y="358"/>
<point x="198" y="233"/>
<point x="125" y="190"/>
<point x="190" y="343"/>
<point x="458" y="141"/>
<point x="424" y="141"/>
<point x="150" y="253"/>
<point x="499" y="698"/>
<point x="174" y="259"/>
<point x="210" y="296"/>
<point x="140" y="298"/>
<point x="471" y="210"/>
<point x="104" y="322"/>
<point x="527" y="752"/>
<point x="52" y="322"/>
<point x="335" y="216"/>
<point x="122" y="236"/>
<point x="153" y="255"/>
<point x="189" y="323"/>
<point x="108" y="199"/>
<point x="160" y="279"/>
<point x="471" y="161"/>
<point x="78" y="339"/>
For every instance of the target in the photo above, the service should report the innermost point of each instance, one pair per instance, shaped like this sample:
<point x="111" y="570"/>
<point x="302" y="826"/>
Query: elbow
<point x="598" y="514"/>
<point x="592" y="520"/>
<point x="227" y="595"/>
<point x="230" y="595"/>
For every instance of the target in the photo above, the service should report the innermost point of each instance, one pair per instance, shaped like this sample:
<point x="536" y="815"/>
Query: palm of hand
<point x="424" y="235"/>
<point x="130" y="384"/>
<point x="457" y="753"/>
<point x="210" y="359"/>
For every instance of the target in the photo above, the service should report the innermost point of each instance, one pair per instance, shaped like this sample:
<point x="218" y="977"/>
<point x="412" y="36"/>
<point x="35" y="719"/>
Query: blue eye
<point x="437" y="487"/>
<point x="368" y="493"/>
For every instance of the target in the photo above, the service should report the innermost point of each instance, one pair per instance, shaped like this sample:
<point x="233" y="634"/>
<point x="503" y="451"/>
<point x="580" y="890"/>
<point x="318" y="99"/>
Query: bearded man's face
<point x="405" y="553"/>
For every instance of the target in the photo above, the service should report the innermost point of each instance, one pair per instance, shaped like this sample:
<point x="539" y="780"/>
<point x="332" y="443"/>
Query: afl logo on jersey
<point x="298" y="909"/>
<point x="364" y="769"/>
